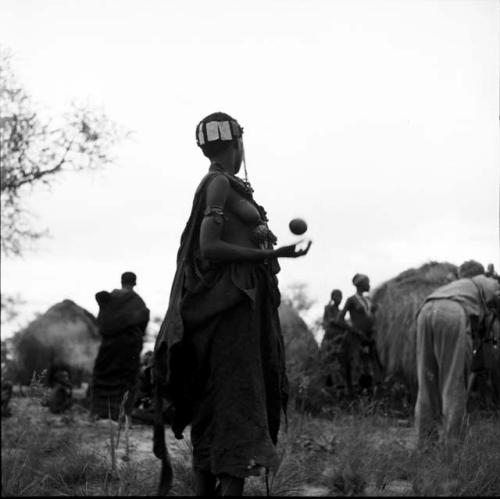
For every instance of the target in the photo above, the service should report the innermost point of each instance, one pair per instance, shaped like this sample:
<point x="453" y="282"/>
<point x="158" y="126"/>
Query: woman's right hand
<point x="291" y="251"/>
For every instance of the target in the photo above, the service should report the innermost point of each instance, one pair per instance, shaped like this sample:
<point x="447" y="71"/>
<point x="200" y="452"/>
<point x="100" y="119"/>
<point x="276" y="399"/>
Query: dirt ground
<point x="136" y="444"/>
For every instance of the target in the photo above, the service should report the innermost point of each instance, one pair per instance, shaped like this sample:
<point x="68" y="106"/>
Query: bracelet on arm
<point x="216" y="212"/>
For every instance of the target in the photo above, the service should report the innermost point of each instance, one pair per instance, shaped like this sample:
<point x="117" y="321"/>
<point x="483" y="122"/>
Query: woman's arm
<point x="211" y="245"/>
<point x="214" y="248"/>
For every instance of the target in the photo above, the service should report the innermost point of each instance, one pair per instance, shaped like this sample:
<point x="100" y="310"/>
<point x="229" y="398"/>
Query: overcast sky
<point x="376" y="121"/>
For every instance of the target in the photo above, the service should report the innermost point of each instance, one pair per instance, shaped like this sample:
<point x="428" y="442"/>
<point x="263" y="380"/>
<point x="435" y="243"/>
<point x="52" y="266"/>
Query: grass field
<point x="347" y="453"/>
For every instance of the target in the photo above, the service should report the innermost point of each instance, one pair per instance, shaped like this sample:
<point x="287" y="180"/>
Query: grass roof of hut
<point x="398" y="301"/>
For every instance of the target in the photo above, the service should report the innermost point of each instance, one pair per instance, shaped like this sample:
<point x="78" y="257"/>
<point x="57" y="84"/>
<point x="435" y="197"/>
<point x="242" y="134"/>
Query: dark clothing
<point x="236" y="412"/>
<point x="60" y="398"/>
<point x="219" y="355"/>
<point x="122" y="319"/>
<point x="332" y="330"/>
<point x="361" y="314"/>
<point x="6" y="396"/>
<point x="334" y="351"/>
<point x="145" y="388"/>
<point x="143" y="411"/>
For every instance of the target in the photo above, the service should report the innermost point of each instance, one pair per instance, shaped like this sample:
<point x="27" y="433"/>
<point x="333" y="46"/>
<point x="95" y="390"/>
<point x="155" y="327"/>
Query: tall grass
<point x="38" y="461"/>
<point x="371" y="459"/>
<point x="45" y="457"/>
<point x="348" y="453"/>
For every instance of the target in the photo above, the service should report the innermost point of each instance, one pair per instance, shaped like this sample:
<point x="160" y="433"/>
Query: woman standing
<point x="219" y="355"/>
<point x="361" y="311"/>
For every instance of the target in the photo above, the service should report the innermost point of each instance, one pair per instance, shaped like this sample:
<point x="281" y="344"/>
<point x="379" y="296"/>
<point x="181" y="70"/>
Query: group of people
<point x="218" y="365"/>
<point x="117" y="382"/>
<point x="349" y="359"/>
<point x="58" y="398"/>
<point x="219" y="361"/>
<point x="457" y="335"/>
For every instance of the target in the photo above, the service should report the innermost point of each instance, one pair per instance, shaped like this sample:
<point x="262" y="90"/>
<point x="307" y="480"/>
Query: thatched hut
<point x="398" y="301"/>
<point x="301" y="349"/>
<point x="66" y="335"/>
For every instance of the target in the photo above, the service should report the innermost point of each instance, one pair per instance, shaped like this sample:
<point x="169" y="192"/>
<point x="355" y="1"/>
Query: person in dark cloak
<point x="361" y="312"/>
<point x="219" y="355"/>
<point x="122" y="320"/>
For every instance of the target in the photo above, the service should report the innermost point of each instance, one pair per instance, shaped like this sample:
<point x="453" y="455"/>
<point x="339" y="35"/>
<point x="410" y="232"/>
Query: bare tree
<point x="9" y="307"/>
<point x="34" y="149"/>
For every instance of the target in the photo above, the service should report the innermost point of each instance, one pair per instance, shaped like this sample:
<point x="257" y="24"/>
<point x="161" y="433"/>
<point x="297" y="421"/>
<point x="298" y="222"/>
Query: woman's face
<point x="238" y="155"/>
<point x="363" y="285"/>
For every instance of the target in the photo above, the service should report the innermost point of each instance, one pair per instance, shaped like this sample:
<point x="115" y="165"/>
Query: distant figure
<point x="361" y="313"/>
<point x="490" y="272"/>
<point x="60" y="397"/>
<point x="144" y="398"/>
<point x="143" y="410"/>
<point x="451" y="318"/>
<point x="335" y="351"/>
<point x="6" y="396"/>
<point x="122" y="320"/>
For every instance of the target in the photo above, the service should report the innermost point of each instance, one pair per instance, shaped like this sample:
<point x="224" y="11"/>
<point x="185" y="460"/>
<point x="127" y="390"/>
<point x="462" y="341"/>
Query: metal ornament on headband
<point x="217" y="130"/>
<point x="213" y="131"/>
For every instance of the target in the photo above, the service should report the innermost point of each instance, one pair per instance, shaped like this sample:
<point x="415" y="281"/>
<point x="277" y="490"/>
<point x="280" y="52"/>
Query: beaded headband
<point x="217" y="130"/>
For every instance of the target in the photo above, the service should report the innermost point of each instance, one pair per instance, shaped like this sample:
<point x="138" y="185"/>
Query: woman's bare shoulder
<point x="218" y="190"/>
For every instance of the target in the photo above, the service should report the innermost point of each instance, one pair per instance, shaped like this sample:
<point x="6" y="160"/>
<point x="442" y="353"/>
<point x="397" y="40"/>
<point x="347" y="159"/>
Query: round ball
<point x="297" y="226"/>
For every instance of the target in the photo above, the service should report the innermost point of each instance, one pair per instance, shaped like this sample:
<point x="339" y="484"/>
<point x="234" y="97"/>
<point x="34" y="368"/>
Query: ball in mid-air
<point x="297" y="226"/>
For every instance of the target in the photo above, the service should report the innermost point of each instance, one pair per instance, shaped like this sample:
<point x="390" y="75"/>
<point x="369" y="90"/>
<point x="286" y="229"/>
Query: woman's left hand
<point x="292" y="251"/>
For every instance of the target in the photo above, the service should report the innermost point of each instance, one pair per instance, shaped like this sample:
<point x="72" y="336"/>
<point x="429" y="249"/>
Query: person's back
<point x="472" y="293"/>
<point x="451" y="318"/>
<point x="122" y="320"/>
<point x="359" y="308"/>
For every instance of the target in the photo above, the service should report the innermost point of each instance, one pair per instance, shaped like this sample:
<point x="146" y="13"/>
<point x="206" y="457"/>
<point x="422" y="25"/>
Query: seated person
<point x="61" y="394"/>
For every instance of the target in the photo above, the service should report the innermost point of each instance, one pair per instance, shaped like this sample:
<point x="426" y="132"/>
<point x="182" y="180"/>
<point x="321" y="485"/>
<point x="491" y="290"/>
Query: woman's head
<point x="217" y="133"/>
<point x="362" y="282"/>
<point x="336" y="296"/>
